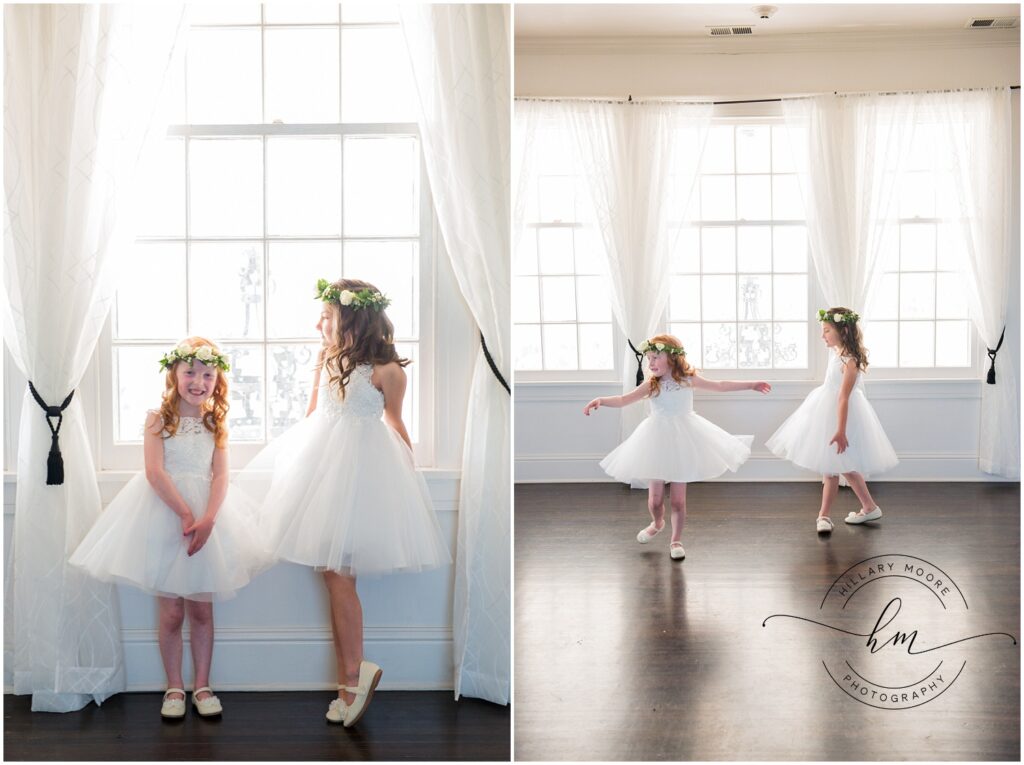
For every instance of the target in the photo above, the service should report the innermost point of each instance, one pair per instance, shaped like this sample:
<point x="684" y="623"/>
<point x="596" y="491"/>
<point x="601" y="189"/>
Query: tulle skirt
<point x="343" y="494"/>
<point x="138" y="540"/>
<point x="803" y="439"/>
<point x="681" y="449"/>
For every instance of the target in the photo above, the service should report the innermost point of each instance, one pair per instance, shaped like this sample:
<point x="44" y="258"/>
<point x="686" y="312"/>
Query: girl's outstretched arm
<point x="218" y="490"/>
<point x="723" y="386"/>
<point x="845" y="387"/>
<point x="153" y="452"/>
<point x="617" y="402"/>
<point x="392" y="381"/>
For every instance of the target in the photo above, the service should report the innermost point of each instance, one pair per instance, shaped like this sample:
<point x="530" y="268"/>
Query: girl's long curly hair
<point x="213" y="411"/>
<point x="678" y="366"/>
<point x="851" y="338"/>
<point x="361" y="336"/>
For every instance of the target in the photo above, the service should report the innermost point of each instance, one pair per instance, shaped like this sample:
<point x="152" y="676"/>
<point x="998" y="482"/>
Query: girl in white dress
<point x="177" y="531"/>
<point x="674" y="445"/>
<point x="346" y="498"/>
<point x="835" y="431"/>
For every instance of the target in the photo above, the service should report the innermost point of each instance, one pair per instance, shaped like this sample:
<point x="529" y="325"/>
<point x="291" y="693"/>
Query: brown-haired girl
<point x="674" y="445"/>
<point x="837" y="412"/>
<point x="176" y="531"/>
<point x="346" y="498"/>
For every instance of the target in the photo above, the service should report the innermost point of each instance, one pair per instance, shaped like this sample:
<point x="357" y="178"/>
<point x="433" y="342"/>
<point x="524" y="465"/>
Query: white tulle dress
<point x="675" y="444"/>
<point x="804" y="437"/>
<point x="344" y="494"/>
<point x="138" y="539"/>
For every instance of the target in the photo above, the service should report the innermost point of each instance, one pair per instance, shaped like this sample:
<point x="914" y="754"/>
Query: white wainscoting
<point x="933" y="425"/>
<point x="276" y="635"/>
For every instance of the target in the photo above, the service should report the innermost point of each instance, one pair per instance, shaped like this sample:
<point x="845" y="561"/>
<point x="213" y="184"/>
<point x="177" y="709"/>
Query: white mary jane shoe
<point x="369" y="677"/>
<point x="857" y="518"/>
<point x="646" y="536"/>
<point x="208" y="707"/>
<point x="676" y="551"/>
<point x="172" y="709"/>
<point x="337" y="709"/>
<point x="823" y="524"/>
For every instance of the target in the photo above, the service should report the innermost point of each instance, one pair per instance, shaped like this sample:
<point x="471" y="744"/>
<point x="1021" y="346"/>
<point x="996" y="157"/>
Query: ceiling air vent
<point x="725" y="31"/>
<point x="1002" y="22"/>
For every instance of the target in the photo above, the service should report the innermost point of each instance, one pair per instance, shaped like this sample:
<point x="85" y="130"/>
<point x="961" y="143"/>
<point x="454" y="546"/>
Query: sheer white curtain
<point x="461" y="64"/>
<point x="632" y="153"/>
<point x="82" y="84"/>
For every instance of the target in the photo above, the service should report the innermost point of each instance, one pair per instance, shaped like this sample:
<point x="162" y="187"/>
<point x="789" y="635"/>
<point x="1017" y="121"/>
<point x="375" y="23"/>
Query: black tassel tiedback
<point x="54" y="460"/>
<point x="639" y="362"/>
<point x="991" y="377"/>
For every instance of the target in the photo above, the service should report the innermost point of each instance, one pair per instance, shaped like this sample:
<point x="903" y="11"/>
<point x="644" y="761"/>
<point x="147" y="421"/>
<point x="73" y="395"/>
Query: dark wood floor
<point x="400" y="725"/>
<point x="624" y="654"/>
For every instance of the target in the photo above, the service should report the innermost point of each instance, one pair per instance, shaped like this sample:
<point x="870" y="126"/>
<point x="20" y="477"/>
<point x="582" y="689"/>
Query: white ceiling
<point x="690" y="20"/>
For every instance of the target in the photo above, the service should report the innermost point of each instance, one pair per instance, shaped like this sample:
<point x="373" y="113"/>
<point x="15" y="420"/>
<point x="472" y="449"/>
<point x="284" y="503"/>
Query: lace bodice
<point x="362" y="399"/>
<point x="190" y="450"/>
<point x="673" y="399"/>
<point x="834" y="374"/>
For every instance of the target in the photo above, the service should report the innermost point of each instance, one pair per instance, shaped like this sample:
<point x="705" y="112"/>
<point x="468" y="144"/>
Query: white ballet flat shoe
<point x="173" y="708"/>
<point x="646" y="536"/>
<point x="857" y="518"/>
<point x="337" y="709"/>
<point x="676" y="551"/>
<point x="823" y="524"/>
<point x="208" y="707"/>
<point x="369" y="677"/>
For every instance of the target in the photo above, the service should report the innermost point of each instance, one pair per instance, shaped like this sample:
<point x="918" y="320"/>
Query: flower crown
<point x="188" y="353"/>
<point x="673" y="350"/>
<point x="838" y="318"/>
<point x="354" y="300"/>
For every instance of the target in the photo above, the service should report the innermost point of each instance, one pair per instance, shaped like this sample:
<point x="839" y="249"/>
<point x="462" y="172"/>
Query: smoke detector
<point x="993" y="22"/>
<point x="764" y="12"/>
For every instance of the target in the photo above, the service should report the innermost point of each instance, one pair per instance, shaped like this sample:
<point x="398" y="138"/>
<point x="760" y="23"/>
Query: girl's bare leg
<point x="860" y="488"/>
<point x="171" y="615"/>
<point x="200" y="625"/>
<point x="656" y="505"/>
<point x="829" y="489"/>
<point x="347" y="626"/>
<point x="677" y="501"/>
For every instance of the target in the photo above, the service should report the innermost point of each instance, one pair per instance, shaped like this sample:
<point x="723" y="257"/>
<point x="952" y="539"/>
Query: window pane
<point x="226" y="290"/>
<point x="560" y="346"/>
<point x="381" y="186"/>
<point x="782" y="147"/>
<point x="951" y="299"/>
<point x="526" y="299"/>
<point x="717" y="197"/>
<point x="137" y="315"/>
<point x="303" y="189"/>
<point x="718" y="249"/>
<point x="411" y="404"/>
<point x="555" y="250"/>
<point x="718" y="299"/>
<point x="753" y="149"/>
<point x="953" y="343"/>
<point x="686" y="252"/>
<point x="592" y="299"/>
<point x="790" y="297"/>
<point x="389" y="94"/>
<point x="589" y="250"/>
<point x="139" y="383"/>
<point x="917" y="196"/>
<point x="524" y="260"/>
<point x="720" y="346"/>
<point x="301" y="75"/>
<point x="718" y="151"/>
<point x="292" y="312"/>
<point x="881" y="340"/>
<point x="787" y="203"/>
<point x="246" y="417"/>
<point x="300" y="13"/>
<point x="558" y="299"/>
<point x="369" y="13"/>
<point x="689" y="334"/>
<point x="224" y="69"/>
<point x="596" y="346"/>
<point x="755" y="351"/>
<point x="162" y="208"/>
<point x="754" y="296"/>
<point x="917" y="296"/>
<point x="917" y="247"/>
<point x="290" y="372"/>
<point x="885" y="301"/>
<point x="223" y="13"/>
<point x="789" y="251"/>
<point x="790" y="345"/>
<point x="917" y="343"/>
<point x="527" y="346"/>
<point x="950" y="247"/>
<point x="754" y="249"/>
<point x="556" y="198"/>
<point x="684" y="300"/>
<point x="753" y="197"/>
<point x="394" y="269"/>
<point x="226" y="187"/>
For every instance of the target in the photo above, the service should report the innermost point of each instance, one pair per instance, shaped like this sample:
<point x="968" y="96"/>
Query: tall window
<point x="294" y="155"/>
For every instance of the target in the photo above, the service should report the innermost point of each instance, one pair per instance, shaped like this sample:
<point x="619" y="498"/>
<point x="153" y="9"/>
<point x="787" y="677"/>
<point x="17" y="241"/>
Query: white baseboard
<point x="584" y="468"/>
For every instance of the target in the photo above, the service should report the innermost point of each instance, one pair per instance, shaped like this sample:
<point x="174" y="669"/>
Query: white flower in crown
<point x="660" y="346"/>
<point x="346" y="297"/>
<point x="205" y="354"/>
<point x="184" y="349"/>
<point x="837" y="318"/>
